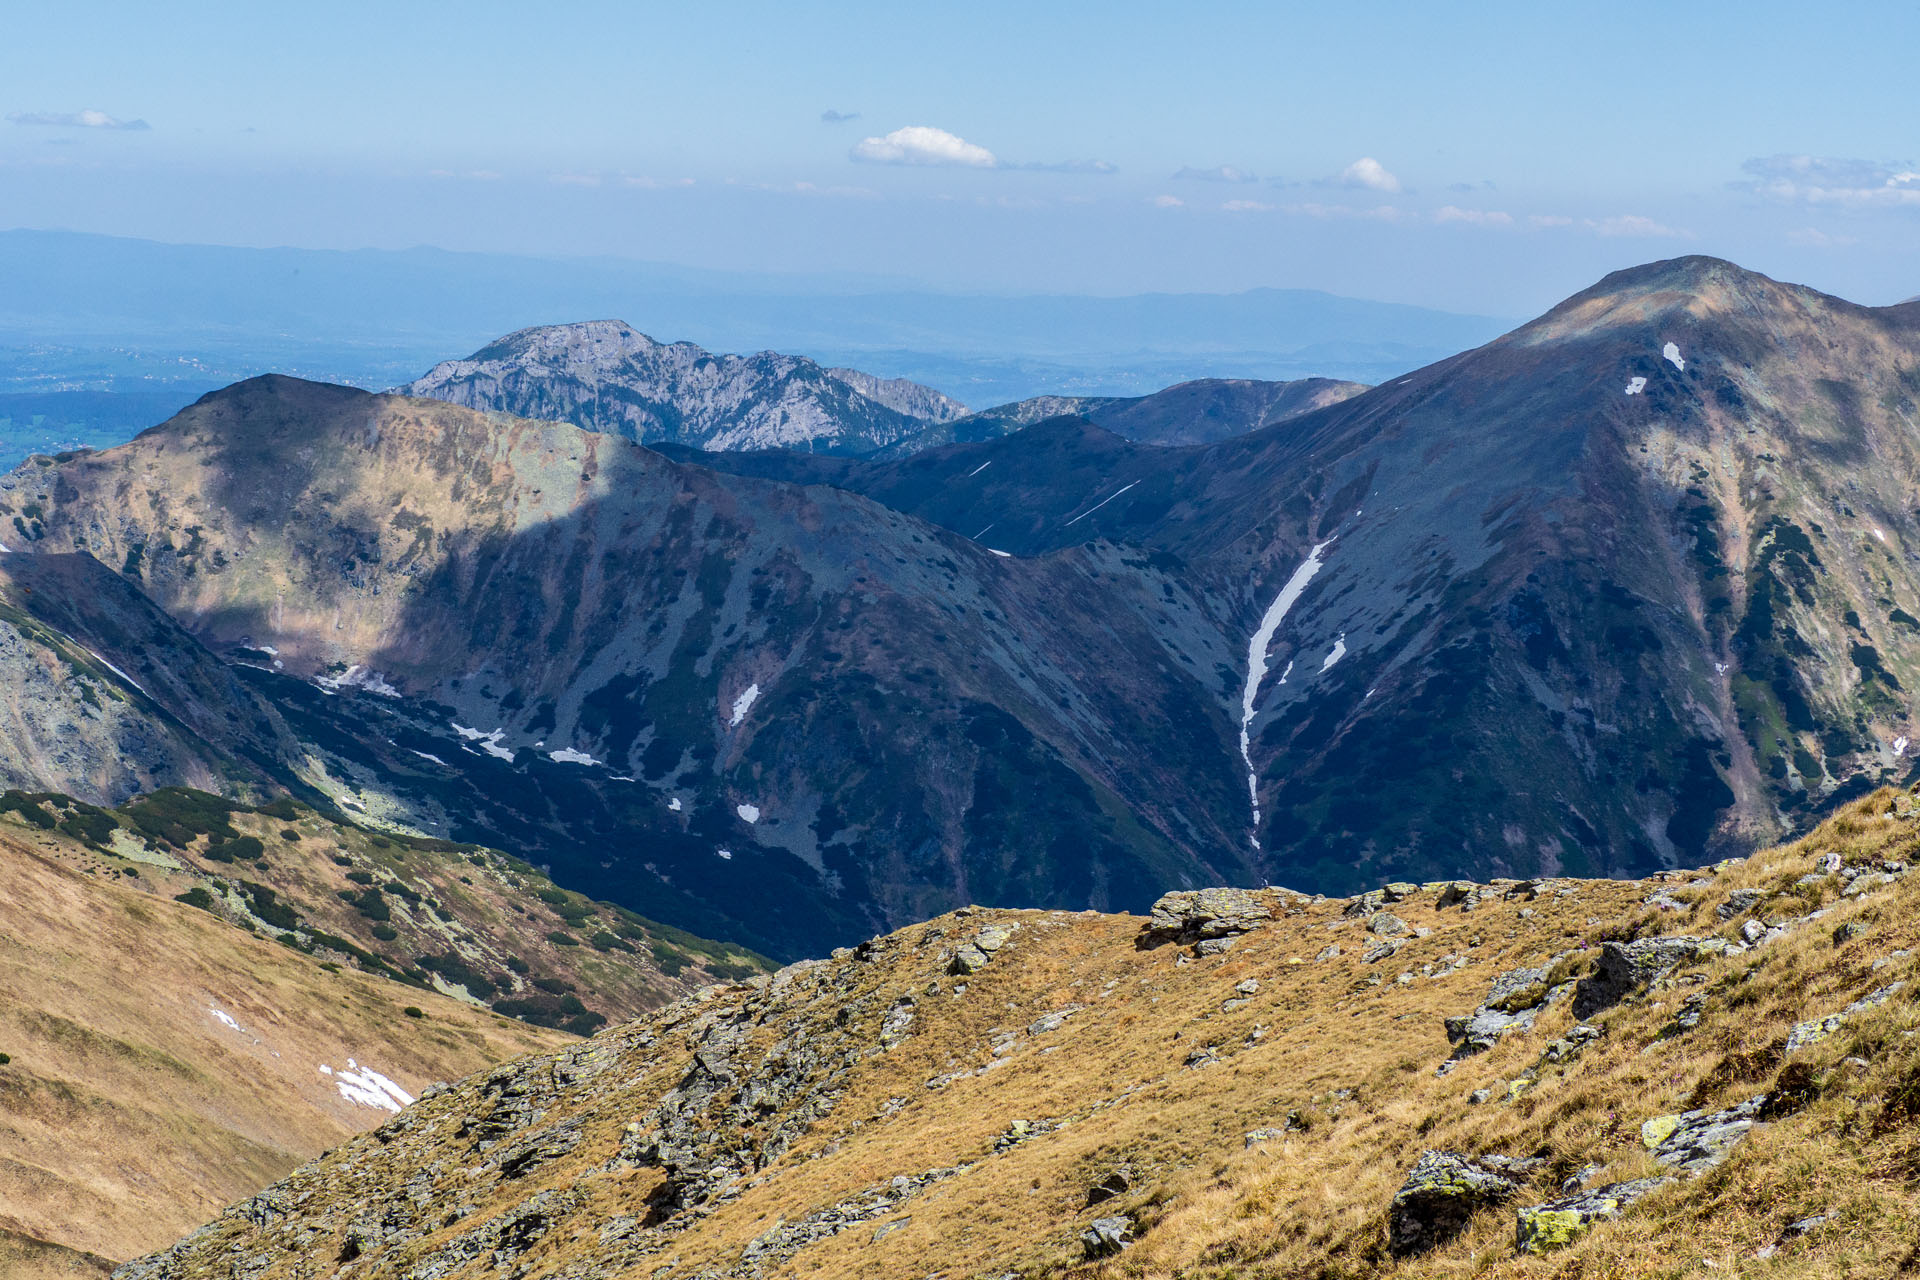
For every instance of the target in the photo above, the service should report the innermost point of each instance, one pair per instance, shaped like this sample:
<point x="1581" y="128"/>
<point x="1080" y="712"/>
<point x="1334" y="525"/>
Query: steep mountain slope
<point x="780" y="715"/>
<point x="1711" y="1072"/>
<point x="106" y="695"/>
<point x="1626" y="588"/>
<point x="148" y="1010"/>
<point x="161" y="1062"/>
<point x="1197" y="412"/>
<point x="604" y="376"/>
<point x="1663" y="532"/>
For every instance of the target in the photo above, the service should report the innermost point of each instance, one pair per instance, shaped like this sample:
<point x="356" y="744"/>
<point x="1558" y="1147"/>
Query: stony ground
<point x="1710" y="1071"/>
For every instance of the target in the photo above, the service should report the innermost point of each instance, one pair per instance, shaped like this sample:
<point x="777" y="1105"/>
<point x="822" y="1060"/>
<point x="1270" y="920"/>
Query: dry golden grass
<point x="128" y="1111"/>
<point x="1355" y="1058"/>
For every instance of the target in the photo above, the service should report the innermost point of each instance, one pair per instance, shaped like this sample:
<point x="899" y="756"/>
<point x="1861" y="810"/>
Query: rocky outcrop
<point x="1557" y="1223"/>
<point x="1625" y="968"/>
<point x="1205" y="916"/>
<point x="1443" y="1191"/>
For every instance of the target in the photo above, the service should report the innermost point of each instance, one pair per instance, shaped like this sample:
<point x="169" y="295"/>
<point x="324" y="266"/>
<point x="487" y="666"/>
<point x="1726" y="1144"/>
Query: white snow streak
<point x="1899" y="747"/>
<point x="748" y="812"/>
<point x="1257" y="665"/>
<point x="487" y="742"/>
<point x="368" y="1087"/>
<point x="1880" y="535"/>
<point x="742" y="705"/>
<point x="1635" y="387"/>
<point x="977" y="470"/>
<point x="358" y="677"/>
<point x="428" y="756"/>
<point x="225" y="1019"/>
<point x="567" y="755"/>
<point x="4" y="548"/>
<point x="1671" y="353"/>
<point x="1004" y="555"/>
<point x="1338" y="652"/>
<point x="117" y="671"/>
<point x="1103" y="502"/>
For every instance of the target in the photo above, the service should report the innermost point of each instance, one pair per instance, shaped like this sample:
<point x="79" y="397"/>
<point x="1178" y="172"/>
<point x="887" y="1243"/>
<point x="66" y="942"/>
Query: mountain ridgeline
<point x="1630" y="587"/>
<point x="604" y="376"/>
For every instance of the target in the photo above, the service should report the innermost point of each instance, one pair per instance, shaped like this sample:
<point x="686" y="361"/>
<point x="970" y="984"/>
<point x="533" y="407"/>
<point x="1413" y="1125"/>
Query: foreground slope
<point x="1722" y="1060"/>
<point x="162" y="1062"/>
<point x="184" y="1018"/>
<point x="604" y="376"/>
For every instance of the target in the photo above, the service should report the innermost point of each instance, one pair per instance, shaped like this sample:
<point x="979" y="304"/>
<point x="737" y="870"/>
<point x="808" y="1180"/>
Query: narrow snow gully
<point x="1257" y="667"/>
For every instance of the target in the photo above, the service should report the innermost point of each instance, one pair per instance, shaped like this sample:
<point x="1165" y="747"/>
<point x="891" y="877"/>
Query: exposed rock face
<point x="604" y="376"/>
<point x="1627" y="967"/>
<point x="1443" y="1191"/>
<point x="1198" y="915"/>
<point x="1556" y="1223"/>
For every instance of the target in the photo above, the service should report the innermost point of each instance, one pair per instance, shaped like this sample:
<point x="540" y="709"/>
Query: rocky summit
<point x="604" y="376"/>
<point x="1005" y="1093"/>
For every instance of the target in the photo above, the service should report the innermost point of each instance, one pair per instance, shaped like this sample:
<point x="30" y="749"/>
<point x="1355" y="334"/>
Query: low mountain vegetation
<point x="1703" y="1071"/>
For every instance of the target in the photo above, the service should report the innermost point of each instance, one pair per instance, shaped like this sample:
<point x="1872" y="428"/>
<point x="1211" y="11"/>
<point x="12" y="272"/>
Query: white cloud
<point x="1246" y="206"/>
<point x="655" y="184"/>
<point x="1632" y="225"/>
<point x="1061" y="166"/>
<point x="1549" y="220"/>
<point x="1473" y="217"/>
<point x="88" y="119"/>
<point x="923" y="145"/>
<point x="838" y="117"/>
<point x="1378" y="213"/>
<point x="1827" y="180"/>
<point x="1167" y="202"/>
<point x="574" y="179"/>
<point x="1369" y="173"/>
<point x="1219" y="173"/>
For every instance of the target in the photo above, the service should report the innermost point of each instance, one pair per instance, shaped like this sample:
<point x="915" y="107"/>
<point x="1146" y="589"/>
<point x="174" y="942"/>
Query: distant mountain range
<point x="1628" y="587"/>
<point x="86" y="312"/>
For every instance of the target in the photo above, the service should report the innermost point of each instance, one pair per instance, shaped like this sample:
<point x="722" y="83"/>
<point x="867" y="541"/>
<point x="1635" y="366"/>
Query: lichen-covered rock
<point x="1557" y="1223"/>
<point x="1107" y="1236"/>
<point x="1695" y="1141"/>
<point x="1817" y="1029"/>
<point x="1192" y="915"/>
<point x="1625" y="968"/>
<point x="1443" y="1191"/>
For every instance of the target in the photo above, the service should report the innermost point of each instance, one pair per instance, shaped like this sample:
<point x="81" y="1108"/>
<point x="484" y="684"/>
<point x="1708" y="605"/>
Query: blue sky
<point x="1489" y="158"/>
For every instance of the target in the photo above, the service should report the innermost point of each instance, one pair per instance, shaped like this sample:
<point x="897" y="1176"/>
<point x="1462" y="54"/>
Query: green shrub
<point x="196" y="897"/>
<point x="360" y="877"/>
<point x="385" y="932"/>
<point x="414" y="1011"/>
<point x="559" y="939"/>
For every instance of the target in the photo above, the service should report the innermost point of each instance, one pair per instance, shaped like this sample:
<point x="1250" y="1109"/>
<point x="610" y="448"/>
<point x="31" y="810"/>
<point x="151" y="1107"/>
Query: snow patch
<point x="674" y="804"/>
<point x="225" y="1019"/>
<point x="1671" y="354"/>
<point x="748" y="812"/>
<point x="743" y="704"/>
<point x="1899" y="747"/>
<point x="1103" y="502"/>
<point x="977" y="470"/>
<point x="567" y="755"/>
<point x="1004" y="555"/>
<point x="358" y="677"/>
<point x="1635" y="387"/>
<point x="1257" y="665"/>
<point x="4" y="548"/>
<point x="1880" y="535"/>
<point x="428" y="756"/>
<point x="487" y="742"/>
<point x="725" y="855"/>
<point x="368" y="1087"/>
<point x="1338" y="652"/>
<point x="117" y="671"/>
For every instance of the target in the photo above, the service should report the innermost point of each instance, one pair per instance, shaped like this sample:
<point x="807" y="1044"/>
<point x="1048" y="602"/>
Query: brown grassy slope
<point x="497" y="913"/>
<point x="1350" y="1049"/>
<point x="128" y="1110"/>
